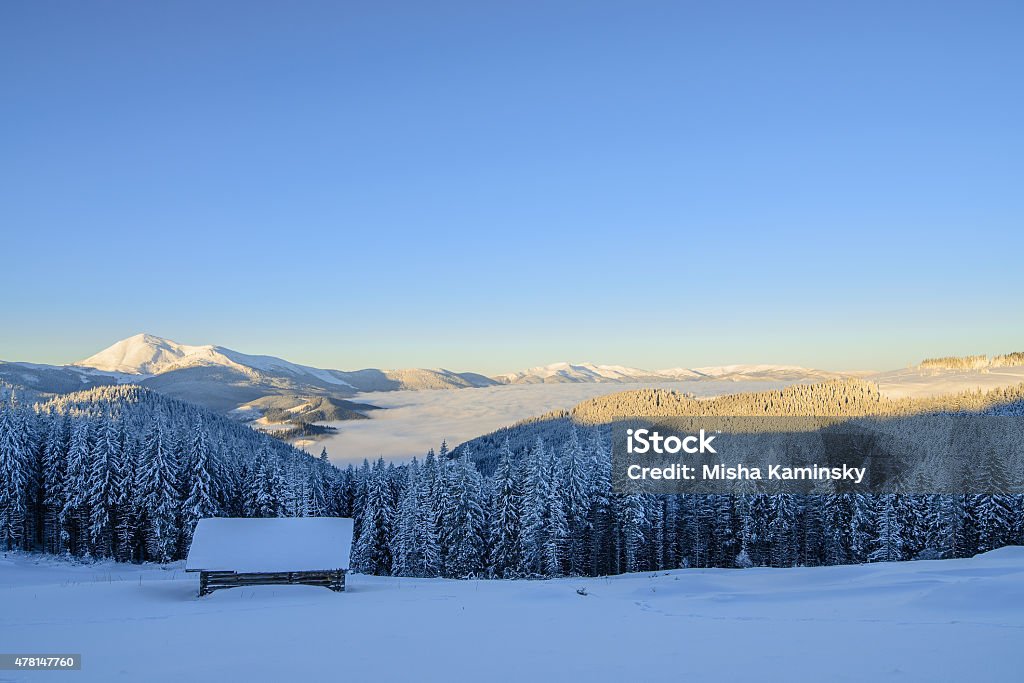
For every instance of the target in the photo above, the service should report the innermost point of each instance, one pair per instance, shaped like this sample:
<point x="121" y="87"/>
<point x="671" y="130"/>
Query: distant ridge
<point x="251" y="387"/>
<point x="557" y="373"/>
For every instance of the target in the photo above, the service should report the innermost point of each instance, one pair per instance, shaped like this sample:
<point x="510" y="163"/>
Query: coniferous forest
<point x="124" y="472"/>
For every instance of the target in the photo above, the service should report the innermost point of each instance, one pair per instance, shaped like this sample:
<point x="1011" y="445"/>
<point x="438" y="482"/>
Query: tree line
<point x="1013" y="359"/>
<point x="124" y="472"/>
<point x="551" y="511"/>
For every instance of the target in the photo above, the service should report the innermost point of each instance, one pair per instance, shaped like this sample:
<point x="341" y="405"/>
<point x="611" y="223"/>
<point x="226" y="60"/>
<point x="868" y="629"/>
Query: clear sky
<point x="487" y="186"/>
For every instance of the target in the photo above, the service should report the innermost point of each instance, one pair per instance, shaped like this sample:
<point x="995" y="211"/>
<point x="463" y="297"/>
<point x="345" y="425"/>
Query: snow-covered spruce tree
<point x="74" y="515"/>
<point x="811" y="530"/>
<point x="782" y="530"/>
<point x="673" y="558"/>
<point x="601" y="518"/>
<point x="373" y="548"/>
<point x="14" y="480"/>
<point x="461" y="528"/>
<point x="200" y="502"/>
<point x="758" y="518"/>
<point x="724" y="530"/>
<point x="416" y="551"/>
<point x="103" y="479"/>
<point x="426" y="521"/>
<point x="318" y="486"/>
<point x="556" y="545"/>
<point x="123" y="497"/>
<point x="837" y="522"/>
<point x="159" y="481"/>
<point x="862" y="527"/>
<point x="993" y="505"/>
<point x="342" y="493"/>
<point x="575" y="486"/>
<point x="535" y="509"/>
<point x="263" y="498"/>
<point x="887" y="545"/>
<point x="507" y="518"/>
<point x="404" y="547"/>
<point x="55" y="447"/>
<point x="635" y="527"/>
<point x="360" y="481"/>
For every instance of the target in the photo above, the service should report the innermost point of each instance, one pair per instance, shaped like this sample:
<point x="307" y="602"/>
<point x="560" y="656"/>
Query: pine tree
<point x="600" y="521"/>
<point x="200" y="502"/>
<point x="462" y="530"/>
<point x="556" y="544"/>
<point x="13" y="477"/>
<point x="757" y="529"/>
<point x="318" y="486"/>
<point x="656" y="527"/>
<point x="159" y="479"/>
<point x="782" y="531"/>
<point x="416" y="552"/>
<point x="837" y="520"/>
<point x="888" y="541"/>
<point x="262" y="496"/>
<point x="862" y="527"/>
<point x="507" y="527"/>
<point x="576" y="488"/>
<point x="73" y="516"/>
<point x="55" y="449"/>
<point x="993" y="505"/>
<point x="102" y="480"/>
<point x="634" y="529"/>
<point x="406" y="550"/>
<point x="535" y="509"/>
<point x="724" y="525"/>
<point x="373" y="552"/>
<point x="123" y="498"/>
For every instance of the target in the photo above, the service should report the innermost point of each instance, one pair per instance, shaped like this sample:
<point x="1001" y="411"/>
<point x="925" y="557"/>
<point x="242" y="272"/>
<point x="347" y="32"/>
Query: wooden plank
<point x="211" y="581"/>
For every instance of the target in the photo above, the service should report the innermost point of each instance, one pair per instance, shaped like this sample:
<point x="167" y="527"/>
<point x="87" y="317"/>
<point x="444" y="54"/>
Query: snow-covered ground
<point x="918" y="383"/>
<point x="952" y="620"/>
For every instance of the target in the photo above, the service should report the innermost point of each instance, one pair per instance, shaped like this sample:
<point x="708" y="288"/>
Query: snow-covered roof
<point x="289" y="544"/>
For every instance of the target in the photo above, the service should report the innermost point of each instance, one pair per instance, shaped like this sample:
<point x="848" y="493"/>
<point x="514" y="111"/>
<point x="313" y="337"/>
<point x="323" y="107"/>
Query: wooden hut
<point x="309" y="551"/>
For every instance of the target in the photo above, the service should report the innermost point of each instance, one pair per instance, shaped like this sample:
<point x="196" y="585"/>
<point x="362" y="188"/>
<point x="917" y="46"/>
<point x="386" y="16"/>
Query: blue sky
<point x="487" y="186"/>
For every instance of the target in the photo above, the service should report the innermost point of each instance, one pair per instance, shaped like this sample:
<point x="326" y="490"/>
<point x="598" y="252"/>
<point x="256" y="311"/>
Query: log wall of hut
<point x="333" y="579"/>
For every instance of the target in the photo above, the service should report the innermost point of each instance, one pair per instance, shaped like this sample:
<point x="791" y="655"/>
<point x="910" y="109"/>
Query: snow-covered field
<point x="417" y="420"/>
<point x="918" y="383"/>
<point x="953" y="620"/>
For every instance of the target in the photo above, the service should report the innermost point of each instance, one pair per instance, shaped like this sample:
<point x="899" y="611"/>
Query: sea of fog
<point x="410" y="422"/>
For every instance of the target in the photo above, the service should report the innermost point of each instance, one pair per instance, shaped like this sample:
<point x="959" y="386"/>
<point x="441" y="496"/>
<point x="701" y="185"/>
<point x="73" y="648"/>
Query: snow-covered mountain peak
<point x="147" y="354"/>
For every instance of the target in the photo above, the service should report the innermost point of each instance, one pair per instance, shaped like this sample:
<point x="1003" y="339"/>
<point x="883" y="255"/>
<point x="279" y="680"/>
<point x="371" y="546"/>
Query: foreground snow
<point x="947" y="620"/>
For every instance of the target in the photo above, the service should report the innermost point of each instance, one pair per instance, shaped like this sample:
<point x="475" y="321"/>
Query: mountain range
<point x="249" y="386"/>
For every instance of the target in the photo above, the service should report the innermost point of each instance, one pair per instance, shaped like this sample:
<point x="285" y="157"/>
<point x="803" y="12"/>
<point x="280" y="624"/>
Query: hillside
<point x="125" y="472"/>
<point x="837" y="397"/>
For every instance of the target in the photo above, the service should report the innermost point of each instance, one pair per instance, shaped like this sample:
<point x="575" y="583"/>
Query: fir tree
<point x="159" y="479"/>
<point x="372" y="550"/>
<point x="507" y="527"/>
<point x="888" y="541"/>
<point x="13" y="477"/>
<point x="200" y="502"/>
